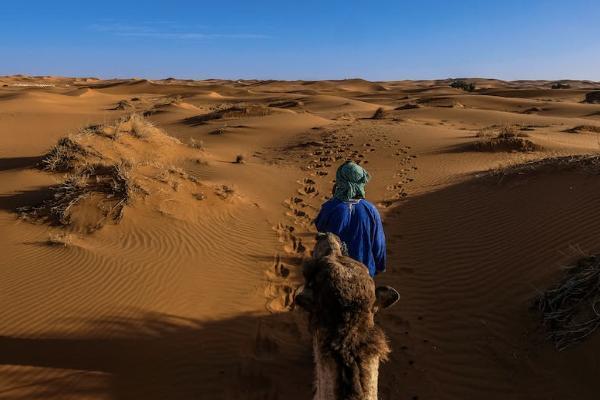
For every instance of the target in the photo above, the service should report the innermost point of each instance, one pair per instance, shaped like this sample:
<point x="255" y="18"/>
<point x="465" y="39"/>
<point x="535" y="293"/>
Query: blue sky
<point x="376" y="40"/>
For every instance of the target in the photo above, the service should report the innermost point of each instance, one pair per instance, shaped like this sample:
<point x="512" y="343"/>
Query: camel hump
<point x="345" y="282"/>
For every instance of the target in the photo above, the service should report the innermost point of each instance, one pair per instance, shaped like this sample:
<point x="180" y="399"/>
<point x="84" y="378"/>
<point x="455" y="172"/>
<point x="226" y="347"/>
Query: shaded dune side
<point x="158" y="356"/>
<point x="469" y="259"/>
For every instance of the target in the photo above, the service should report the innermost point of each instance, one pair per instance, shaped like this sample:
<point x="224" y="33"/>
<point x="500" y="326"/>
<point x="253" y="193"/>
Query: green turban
<point x="350" y="181"/>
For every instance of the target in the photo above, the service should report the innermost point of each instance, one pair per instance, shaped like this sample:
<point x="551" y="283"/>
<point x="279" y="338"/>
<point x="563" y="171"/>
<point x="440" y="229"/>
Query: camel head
<point x="330" y="246"/>
<point x="341" y="299"/>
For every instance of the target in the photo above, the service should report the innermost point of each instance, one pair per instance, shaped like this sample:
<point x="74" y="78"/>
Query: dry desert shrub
<point x="532" y="110"/>
<point x="196" y="144"/>
<point x="592" y="97"/>
<point x="122" y="105"/>
<point x="111" y="181"/>
<point x="64" y="156"/>
<point x="486" y="132"/>
<point x="560" y="85"/>
<point x="240" y="159"/>
<point x="569" y="310"/>
<point x="224" y="191"/>
<point x="199" y="196"/>
<point x="286" y="104"/>
<point x="584" y="129"/>
<point x="379" y="113"/>
<point x="505" y="131"/>
<point x="140" y="127"/>
<point x="218" y="132"/>
<point x="59" y="239"/>
<point x="230" y="112"/>
<point x="460" y="84"/>
<point x="508" y="131"/>
<point x="408" y="106"/>
<point x="503" y="138"/>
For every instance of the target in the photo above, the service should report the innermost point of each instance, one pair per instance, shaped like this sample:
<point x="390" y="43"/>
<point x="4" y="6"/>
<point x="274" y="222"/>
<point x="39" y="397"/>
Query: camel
<point x="342" y="300"/>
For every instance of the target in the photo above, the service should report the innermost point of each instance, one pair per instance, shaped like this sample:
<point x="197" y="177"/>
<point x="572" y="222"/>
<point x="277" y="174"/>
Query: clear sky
<point x="302" y="39"/>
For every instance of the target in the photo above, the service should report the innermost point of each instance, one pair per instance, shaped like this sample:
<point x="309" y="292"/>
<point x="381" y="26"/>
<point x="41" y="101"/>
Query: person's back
<point x="354" y="219"/>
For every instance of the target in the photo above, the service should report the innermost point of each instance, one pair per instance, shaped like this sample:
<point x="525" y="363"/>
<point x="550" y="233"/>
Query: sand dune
<point x="188" y="293"/>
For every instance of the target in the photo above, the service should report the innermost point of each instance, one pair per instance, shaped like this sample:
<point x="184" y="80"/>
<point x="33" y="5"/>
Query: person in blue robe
<point x="355" y="220"/>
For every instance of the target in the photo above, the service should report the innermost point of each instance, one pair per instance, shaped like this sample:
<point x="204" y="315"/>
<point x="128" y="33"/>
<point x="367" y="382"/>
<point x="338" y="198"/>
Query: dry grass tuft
<point x="231" y="112"/>
<point x="464" y="85"/>
<point x="408" y="106"/>
<point x="287" y="104"/>
<point x="140" y="127"/>
<point x="218" y="132"/>
<point x="486" y="132"/>
<point x="504" y="138"/>
<point x="379" y="113"/>
<point x="106" y="166"/>
<point x="59" y="239"/>
<point x="532" y="110"/>
<point x="560" y="85"/>
<point x="569" y="310"/>
<point x="584" y="129"/>
<point x="196" y="144"/>
<point x="224" y="191"/>
<point x="122" y="105"/>
<point x="111" y="181"/>
<point x="64" y="156"/>
<point x="592" y="97"/>
<point x="585" y="163"/>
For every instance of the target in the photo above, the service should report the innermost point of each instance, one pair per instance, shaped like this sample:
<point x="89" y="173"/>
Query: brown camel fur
<point x="341" y="299"/>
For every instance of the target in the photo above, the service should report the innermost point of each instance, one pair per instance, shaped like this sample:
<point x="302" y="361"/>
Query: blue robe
<point x="358" y="224"/>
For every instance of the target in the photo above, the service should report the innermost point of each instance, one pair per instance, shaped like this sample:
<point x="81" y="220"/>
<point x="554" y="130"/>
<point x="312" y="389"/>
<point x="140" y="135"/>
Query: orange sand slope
<point x="156" y="256"/>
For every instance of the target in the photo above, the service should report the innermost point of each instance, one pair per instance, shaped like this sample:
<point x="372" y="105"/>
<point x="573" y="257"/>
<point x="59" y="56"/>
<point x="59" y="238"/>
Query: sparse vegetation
<point x="123" y="105"/>
<point x="587" y="163"/>
<point x="218" y="131"/>
<point x="486" y="132"/>
<point x="504" y="138"/>
<point x="560" y="85"/>
<point x="236" y="111"/>
<point x="240" y="159"/>
<point x="112" y="182"/>
<point x="64" y="156"/>
<point x="224" y="192"/>
<point x="584" y="129"/>
<point x="199" y="196"/>
<point x="408" y="106"/>
<point x="59" y="239"/>
<point x="464" y="85"/>
<point x="379" y="113"/>
<point x="196" y="144"/>
<point x="100" y="173"/>
<point x="139" y="126"/>
<point x="531" y="110"/>
<point x="505" y="131"/>
<point x="286" y="104"/>
<point x="592" y="97"/>
<point x="568" y="310"/>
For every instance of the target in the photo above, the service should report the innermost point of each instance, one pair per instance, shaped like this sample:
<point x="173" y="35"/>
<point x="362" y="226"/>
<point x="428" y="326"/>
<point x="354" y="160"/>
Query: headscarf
<point x="350" y="181"/>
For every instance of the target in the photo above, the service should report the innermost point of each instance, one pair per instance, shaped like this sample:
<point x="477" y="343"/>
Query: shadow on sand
<point x="7" y="164"/>
<point x="165" y="357"/>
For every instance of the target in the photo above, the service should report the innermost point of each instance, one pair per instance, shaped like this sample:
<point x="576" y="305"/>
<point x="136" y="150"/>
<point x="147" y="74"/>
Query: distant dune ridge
<point x="153" y="231"/>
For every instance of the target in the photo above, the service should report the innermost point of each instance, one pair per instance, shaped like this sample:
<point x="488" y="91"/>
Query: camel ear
<point x="304" y="298"/>
<point x="386" y="296"/>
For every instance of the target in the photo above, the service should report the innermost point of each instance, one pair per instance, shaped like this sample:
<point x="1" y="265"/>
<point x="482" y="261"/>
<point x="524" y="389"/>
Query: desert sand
<point x="185" y="288"/>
